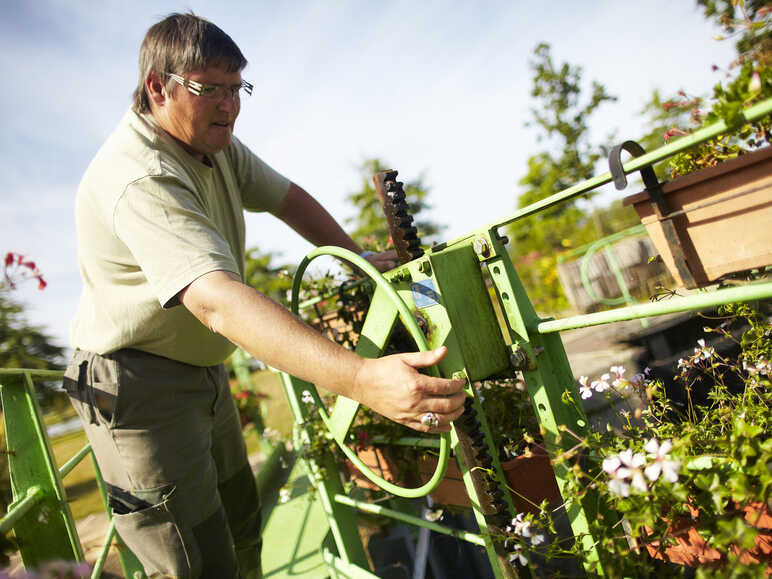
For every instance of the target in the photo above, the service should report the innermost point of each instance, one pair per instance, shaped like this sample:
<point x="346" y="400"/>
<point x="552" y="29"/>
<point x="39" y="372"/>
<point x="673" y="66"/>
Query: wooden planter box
<point x="531" y="478"/>
<point x="712" y="222"/>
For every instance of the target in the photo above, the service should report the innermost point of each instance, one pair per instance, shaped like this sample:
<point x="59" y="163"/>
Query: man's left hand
<point x="384" y="261"/>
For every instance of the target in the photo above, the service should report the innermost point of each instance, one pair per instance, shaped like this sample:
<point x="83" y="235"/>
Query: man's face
<point x="202" y="126"/>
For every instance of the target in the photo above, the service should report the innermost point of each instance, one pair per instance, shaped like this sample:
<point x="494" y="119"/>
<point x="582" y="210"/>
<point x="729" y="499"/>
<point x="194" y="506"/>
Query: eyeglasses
<point x="214" y="92"/>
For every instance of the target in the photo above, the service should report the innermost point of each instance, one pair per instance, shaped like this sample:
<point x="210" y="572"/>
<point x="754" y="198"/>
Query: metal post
<point x="48" y="530"/>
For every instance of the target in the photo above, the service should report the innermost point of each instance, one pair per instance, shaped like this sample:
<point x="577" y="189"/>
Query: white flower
<point x="307" y="398"/>
<point x="619" y="381"/>
<point x="704" y="352"/>
<point x="585" y="390"/>
<point x="517" y="555"/>
<point x="661" y="464"/>
<point x="619" y="487"/>
<point x="618" y="370"/>
<point x="601" y="385"/>
<point x="625" y="472"/>
<point x="611" y="464"/>
<point x="761" y="368"/>
<point x="538" y="539"/>
<point x="520" y="526"/>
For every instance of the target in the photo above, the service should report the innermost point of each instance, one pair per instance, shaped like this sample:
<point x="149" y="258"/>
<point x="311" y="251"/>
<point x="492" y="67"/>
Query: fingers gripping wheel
<point x="340" y="434"/>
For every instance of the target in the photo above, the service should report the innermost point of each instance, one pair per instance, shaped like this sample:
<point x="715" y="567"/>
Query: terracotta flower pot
<point x="712" y="222"/>
<point x="530" y="477"/>
<point x="692" y="550"/>
<point x="378" y="460"/>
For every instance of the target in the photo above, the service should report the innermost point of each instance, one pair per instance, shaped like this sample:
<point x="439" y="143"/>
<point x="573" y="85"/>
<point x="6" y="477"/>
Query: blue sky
<point x="439" y="89"/>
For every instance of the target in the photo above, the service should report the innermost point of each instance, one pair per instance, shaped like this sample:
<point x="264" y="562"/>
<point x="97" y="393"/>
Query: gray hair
<point x="180" y="43"/>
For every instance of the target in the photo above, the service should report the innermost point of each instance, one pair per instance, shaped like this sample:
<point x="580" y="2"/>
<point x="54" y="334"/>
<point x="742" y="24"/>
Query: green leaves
<point x="725" y="448"/>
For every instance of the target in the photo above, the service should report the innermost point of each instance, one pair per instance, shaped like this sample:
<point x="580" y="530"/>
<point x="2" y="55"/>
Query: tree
<point x="23" y="345"/>
<point x="733" y="16"/>
<point x="562" y="116"/>
<point x="369" y="225"/>
<point x="266" y="276"/>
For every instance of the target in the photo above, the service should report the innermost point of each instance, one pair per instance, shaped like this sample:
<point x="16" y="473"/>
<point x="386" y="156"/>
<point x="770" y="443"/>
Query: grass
<point x="80" y="484"/>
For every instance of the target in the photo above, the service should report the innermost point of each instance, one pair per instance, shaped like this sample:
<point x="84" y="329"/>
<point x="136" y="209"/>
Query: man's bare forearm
<point x="392" y="386"/>
<point x="270" y="332"/>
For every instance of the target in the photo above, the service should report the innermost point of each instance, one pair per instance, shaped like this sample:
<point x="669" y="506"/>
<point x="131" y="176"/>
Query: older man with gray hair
<point x="161" y="243"/>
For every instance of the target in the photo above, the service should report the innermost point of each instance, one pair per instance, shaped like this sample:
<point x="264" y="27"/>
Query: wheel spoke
<point x="375" y="332"/>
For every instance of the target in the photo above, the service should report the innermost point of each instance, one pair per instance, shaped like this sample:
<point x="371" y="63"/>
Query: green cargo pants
<point x="167" y="438"/>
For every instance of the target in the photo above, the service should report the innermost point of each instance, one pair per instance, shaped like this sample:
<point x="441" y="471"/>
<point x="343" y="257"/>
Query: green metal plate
<point x="294" y="533"/>
<point x="468" y="317"/>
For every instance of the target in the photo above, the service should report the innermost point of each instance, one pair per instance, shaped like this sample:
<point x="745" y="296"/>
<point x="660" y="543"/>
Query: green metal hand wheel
<point x="375" y="333"/>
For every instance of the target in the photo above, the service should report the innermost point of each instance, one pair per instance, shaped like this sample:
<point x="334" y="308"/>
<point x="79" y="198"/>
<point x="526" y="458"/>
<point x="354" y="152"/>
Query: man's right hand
<point x="393" y="387"/>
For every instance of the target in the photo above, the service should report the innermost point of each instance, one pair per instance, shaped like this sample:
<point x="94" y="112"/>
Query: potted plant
<point x="720" y="219"/>
<point x="712" y="218"/>
<point x="692" y="483"/>
<point x="524" y="460"/>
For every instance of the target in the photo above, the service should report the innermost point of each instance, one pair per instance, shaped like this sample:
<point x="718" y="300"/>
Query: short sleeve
<point x="174" y="242"/>
<point x="262" y="187"/>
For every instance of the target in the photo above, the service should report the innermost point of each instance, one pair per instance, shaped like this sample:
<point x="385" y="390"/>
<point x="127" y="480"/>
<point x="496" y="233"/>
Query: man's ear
<point x="156" y="89"/>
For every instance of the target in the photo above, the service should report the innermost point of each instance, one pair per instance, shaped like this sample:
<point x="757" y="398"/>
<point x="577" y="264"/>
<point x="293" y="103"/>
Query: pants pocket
<point x="91" y="381"/>
<point x="154" y="537"/>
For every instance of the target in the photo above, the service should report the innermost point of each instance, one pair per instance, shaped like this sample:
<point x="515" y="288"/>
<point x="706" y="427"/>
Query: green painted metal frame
<point x="536" y="343"/>
<point x="40" y="515"/>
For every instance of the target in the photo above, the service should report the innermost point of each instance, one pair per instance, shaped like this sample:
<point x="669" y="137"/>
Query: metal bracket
<point x="661" y="207"/>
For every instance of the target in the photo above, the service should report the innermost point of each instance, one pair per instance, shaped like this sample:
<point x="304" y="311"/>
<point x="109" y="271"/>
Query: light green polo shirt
<point x="150" y="220"/>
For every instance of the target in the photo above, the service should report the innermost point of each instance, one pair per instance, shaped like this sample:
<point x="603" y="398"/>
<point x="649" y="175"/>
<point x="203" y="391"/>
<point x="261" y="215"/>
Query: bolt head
<point x="481" y="247"/>
<point x="518" y="359"/>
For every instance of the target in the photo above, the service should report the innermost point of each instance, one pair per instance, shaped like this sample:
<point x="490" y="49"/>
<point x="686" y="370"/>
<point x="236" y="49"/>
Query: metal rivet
<point x="481" y="247"/>
<point x="518" y="358"/>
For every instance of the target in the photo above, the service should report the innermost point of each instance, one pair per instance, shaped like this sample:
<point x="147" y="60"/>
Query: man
<point x="161" y="250"/>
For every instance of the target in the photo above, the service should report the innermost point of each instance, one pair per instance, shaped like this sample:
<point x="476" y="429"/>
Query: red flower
<point x="673" y="132"/>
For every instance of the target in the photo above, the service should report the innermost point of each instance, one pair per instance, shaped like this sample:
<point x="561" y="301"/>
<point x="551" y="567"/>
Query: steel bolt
<point x="518" y="358"/>
<point x="481" y="247"/>
<point x="403" y="275"/>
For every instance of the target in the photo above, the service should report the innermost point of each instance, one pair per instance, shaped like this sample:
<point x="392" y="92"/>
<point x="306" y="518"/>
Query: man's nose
<point x="229" y="102"/>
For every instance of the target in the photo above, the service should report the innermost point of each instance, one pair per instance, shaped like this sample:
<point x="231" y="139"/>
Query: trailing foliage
<point x="562" y="116"/>
<point x="670" y="469"/>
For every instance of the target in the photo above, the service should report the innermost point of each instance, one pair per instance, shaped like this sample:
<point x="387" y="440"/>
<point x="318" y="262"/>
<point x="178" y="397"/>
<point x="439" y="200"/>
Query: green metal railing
<point x="40" y="515"/>
<point x="588" y="251"/>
